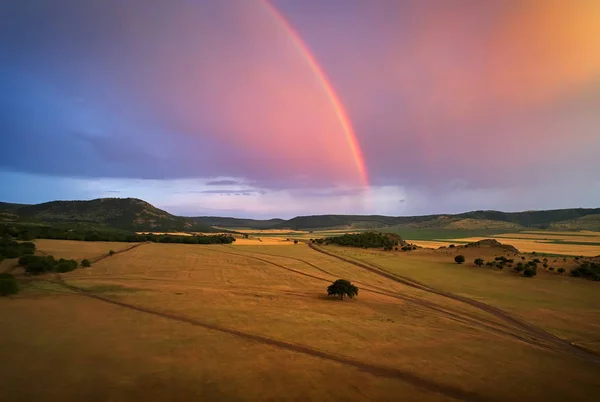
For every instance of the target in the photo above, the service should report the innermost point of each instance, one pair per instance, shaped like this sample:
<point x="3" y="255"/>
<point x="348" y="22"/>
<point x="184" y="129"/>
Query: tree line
<point x="30" y="232"/>
<point x="364" y="240"/>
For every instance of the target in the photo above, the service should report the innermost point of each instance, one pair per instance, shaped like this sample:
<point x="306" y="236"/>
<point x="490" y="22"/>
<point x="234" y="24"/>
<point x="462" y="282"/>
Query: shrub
<point x="537" y="260"/>
<point x="39" y="266"/>
<point x="560" y="270"/>
<point x="575" y="273"/>
<point x="529" y="273"/>
<point x="478" y="262"/>
<point x="459" y="259"/>
<point x="8" y="285"/>
<point x="451" y="246"/>
<point x="111" y="252"/>
<point x="27" y="259"/>
<point x="545" y="265"/>
<point x="489" y="264"/>
<point x="295" y="241"/>
<point x="519" y="268"/>
<point x="551" y="268"/>
<point x="522" y="258"/>
<point x="65" y="265"/>
<point x="86" y="263"/>
<point x="596" y="277"/>
<point x="341" y="288"/>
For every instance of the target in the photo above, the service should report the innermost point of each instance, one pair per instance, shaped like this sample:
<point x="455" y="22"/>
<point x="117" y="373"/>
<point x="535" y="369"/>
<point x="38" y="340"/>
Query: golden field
<point x="253" y="322"/>
<point x="540" y="242"/>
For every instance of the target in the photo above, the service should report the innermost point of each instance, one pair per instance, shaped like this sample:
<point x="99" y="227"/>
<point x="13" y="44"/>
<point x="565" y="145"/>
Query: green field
<point x="216" y="322"/>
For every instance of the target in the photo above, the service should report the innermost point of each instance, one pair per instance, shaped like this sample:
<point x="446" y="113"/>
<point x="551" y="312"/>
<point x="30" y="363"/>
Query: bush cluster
<point x="8" y="285"/>
<point x="13" y="249"/>
<point x="386" y="241"/>
<point x="37" y="265"/>
<point x="587" y="269"/>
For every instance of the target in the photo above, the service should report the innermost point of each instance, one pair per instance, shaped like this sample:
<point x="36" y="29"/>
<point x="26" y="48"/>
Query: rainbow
<point x="329" y="90"/>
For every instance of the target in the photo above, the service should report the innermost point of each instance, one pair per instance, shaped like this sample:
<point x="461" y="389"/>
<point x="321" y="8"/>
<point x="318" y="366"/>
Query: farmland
<point x="584" y="243"/>
<point x="253" y="322"/>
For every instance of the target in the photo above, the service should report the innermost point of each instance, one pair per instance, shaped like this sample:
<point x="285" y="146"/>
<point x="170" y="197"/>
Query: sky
<point x="253" y="108"/>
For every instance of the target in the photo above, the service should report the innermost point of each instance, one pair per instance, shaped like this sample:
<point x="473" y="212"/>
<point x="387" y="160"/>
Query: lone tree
<point x="459" y="259"/>
<point x="478" y="262"/>
<point x="86" y="263"/>
<point x="342" y="288"/>
<point x="295" y="241"/>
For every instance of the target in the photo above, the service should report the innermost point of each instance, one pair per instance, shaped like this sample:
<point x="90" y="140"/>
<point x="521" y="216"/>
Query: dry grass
<point x="267" y="231"/>
<point x="564" y="305"/>
<point x="587" y="238"/>
<point x="78" y="249"/>
<point x="262" y="241"/>
<point x="109" y="352"/>
<point x="166" y="233"/>
<point x="538" y="242"/>
<point x="431" y="243"/>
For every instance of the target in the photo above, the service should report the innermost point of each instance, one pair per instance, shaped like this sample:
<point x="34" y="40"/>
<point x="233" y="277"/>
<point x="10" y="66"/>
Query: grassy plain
<point x="252" y="322"/>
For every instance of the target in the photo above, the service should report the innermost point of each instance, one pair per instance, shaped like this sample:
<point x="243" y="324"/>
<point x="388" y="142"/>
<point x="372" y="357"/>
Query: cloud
<point x="223" y="182"/>
<point x="473" y="104"/>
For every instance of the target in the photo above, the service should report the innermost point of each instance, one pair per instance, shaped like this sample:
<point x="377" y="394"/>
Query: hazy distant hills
<point x="137" y="215"/>
<point x="570" y="219"/>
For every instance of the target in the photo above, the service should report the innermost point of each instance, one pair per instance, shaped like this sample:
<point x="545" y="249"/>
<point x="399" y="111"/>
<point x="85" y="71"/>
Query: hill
<point x="118" y="213"/>
<point x="136" y="215"/>
<point x="574" y="218"/>
<point x="237" y="222"/>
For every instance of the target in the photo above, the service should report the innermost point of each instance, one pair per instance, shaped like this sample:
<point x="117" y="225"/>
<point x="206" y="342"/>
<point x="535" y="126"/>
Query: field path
<point x="495" y="311"/>
<point x="382" y="371"/>
<point x="103" y="256"/>
<point x="458" y="316"/>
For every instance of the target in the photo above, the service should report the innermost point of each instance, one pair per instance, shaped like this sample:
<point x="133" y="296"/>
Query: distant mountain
<point x="237" y="222"/>
<point x="118" y="213"/>
<point x="575" y="218"/>
<point x="136" y="215"/>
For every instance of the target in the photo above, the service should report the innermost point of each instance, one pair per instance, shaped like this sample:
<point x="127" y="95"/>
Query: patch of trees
<point x="386" y="241"/>
<point x="587" y="269"/>
<point x="529" y="270"/>
<point x="37" y="265"/>
<point x="341" y="288"/>
<point x="30" y="232"/>
<point x="14" y="249"/>
<point x="8" y="285"/>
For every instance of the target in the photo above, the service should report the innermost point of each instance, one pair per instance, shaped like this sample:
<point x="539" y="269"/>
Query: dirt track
<point x="529" y="328"/>
<point x="382" y="371"/>
<point x="533" y="335"/>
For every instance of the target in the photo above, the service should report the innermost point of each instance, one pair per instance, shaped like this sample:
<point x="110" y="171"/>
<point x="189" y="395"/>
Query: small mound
<point x="493" y="243"/>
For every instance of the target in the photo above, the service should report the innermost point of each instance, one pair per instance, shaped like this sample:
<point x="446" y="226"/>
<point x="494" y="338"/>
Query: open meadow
<point x="252" y="322"/>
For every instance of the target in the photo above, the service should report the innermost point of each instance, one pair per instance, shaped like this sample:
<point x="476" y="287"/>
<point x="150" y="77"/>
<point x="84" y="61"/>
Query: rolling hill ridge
<point x="138" y="215"/>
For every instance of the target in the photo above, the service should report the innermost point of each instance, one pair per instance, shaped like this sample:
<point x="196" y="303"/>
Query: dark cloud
<point x="149" y="89"/>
